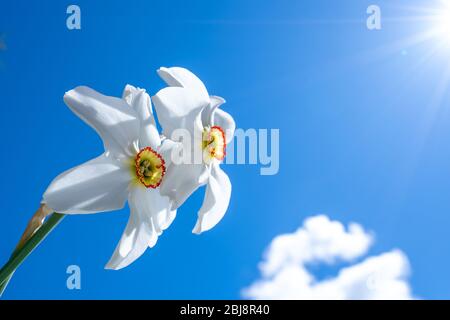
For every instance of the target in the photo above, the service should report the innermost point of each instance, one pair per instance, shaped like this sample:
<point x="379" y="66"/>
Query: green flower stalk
<point x="32" y="237"/>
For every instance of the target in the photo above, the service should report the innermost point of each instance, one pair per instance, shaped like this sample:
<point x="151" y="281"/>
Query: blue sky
<point x="364" y="125"/>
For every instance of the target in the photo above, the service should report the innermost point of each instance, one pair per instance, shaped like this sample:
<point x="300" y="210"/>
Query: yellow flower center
<point x="213" y="144"/>
<point x="149" y="167"/>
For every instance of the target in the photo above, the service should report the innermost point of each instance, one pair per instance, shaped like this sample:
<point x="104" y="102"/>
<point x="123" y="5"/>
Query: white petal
<point x="181" y="77"/>
<point x="96" y="186"/>
<point x="179" y="105"/>
<point x="128" y="93"/>
<point x="166" y="148"/>
<point x="177" y="108"/>
<point x="138" y="234"/>
<point x="166" y="219"/>
<point x="139" y="100"/>
<point x="149" y="216"/>
<point x="158" y="207"/>
<point x="214" y="116"/>
<point x="226" y="122"/>
<point x="111" y="117"/>
<point x="215" y="102"/>
<point x="216" y="201"/>
<point x="181" y="180"/>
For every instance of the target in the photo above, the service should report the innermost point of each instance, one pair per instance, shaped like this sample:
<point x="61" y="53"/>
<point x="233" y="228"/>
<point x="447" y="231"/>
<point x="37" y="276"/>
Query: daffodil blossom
<point x="186" y="105"/>
<point x="131" y="168"/>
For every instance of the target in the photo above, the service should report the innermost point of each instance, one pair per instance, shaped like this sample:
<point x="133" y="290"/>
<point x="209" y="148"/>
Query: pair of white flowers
<point x="137" y="164"/>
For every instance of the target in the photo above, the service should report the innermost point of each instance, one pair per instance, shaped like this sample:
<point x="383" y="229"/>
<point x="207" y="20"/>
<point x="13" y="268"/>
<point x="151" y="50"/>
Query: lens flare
<point x="443" y="24"/>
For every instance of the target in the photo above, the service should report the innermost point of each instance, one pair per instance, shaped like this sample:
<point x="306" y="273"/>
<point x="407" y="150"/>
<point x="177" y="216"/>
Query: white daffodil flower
<point x="186" y="105"/>
<point x="132" y="167"/>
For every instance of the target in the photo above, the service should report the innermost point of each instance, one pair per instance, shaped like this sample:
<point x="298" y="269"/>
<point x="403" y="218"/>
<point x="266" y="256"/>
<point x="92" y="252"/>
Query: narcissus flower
<point x="138" y="165"/>
<point x="131" y="168"/>
<point x="186" y="105"/>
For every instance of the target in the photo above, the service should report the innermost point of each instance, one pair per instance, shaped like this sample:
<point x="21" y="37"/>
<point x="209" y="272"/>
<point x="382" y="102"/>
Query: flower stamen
<point x="149" y="167"/>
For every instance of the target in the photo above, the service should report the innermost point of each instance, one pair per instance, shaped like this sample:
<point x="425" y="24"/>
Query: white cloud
<point x="284" y="273"/>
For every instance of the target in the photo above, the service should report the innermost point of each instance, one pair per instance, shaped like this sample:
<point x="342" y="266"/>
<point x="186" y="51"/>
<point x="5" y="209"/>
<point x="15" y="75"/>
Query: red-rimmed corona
<point x="213" y="144"/>
<point x="149" y="167"/>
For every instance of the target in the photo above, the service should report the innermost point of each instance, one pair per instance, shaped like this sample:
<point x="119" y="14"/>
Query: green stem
<point x="23" y="252"/>
<point x="5" y="283"/>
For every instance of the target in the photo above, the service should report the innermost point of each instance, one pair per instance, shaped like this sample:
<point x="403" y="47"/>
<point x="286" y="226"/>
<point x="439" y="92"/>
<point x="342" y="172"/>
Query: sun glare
<point x="443" y="23"/>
